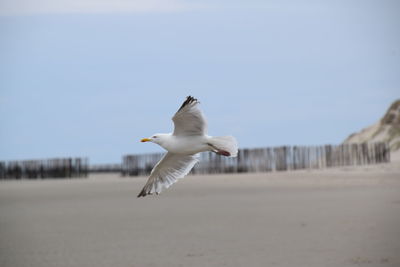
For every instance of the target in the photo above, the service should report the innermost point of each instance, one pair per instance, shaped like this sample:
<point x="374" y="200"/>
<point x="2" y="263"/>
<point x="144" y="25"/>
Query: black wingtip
<point x="189" y="100"/>
<point x="142" y="193"/>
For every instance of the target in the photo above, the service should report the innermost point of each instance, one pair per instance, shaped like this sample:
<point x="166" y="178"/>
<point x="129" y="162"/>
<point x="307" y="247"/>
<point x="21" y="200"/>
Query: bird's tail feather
<point x="224" y="145"/>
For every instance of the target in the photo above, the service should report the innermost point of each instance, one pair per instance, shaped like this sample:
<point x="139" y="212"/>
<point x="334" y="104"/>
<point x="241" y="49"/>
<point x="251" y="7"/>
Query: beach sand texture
<point x="335" y="217"/>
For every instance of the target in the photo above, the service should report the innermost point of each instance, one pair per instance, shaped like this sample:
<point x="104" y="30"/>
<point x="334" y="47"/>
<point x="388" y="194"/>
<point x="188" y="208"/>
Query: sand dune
<point x="387" y="129"/>
<point x="336" y="217"/>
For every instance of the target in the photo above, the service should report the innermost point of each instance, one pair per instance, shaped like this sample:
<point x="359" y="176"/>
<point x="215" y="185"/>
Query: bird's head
<point x="156" y="138"/>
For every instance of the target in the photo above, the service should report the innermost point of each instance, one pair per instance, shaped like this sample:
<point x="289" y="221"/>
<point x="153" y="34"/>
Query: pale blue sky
<point x="82" y="78"/>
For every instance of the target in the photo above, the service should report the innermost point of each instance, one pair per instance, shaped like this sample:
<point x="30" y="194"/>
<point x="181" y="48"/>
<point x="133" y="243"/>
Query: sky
<point x="90" y="78"/>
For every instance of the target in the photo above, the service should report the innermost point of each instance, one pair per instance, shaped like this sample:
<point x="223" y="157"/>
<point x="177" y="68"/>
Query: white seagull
<point x="183" y="145"/>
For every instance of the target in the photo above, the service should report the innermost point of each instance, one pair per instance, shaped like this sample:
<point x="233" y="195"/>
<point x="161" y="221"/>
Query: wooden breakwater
<point x="104" y="168"/>
<point x="281" y="158"/>
<point x="44" y="168"/>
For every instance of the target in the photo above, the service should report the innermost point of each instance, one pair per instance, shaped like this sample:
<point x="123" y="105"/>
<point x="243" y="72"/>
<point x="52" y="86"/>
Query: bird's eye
<point x="154" y="136"/>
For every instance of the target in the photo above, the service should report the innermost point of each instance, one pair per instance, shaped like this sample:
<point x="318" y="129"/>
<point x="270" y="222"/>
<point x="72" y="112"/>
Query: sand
<point x="336" y="217"/>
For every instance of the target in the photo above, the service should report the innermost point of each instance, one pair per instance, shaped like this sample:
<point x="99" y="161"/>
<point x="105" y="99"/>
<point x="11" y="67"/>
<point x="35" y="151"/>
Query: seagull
<point x="183" y="146"/>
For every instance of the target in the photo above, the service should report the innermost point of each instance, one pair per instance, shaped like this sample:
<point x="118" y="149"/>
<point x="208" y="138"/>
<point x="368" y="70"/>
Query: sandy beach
<point x="336" y="217"/>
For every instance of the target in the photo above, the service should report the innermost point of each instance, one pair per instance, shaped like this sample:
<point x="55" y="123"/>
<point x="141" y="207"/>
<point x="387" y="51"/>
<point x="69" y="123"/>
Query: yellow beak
<point x="145" y="140"/>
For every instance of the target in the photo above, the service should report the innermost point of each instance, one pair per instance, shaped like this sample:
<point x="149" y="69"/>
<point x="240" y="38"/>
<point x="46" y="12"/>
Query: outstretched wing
<point x="189" y="120"/>
<point x="167" y="171"/>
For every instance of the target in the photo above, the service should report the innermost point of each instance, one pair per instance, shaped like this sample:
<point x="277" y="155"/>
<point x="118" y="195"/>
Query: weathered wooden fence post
<point x="47" y="168"/>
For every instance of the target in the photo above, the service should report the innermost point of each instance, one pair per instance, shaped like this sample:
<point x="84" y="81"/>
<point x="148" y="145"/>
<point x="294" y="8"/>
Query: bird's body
<point x="183" y="145"/>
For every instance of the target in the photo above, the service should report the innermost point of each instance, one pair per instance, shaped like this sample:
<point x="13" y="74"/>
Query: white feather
<point x="167" y="171"/>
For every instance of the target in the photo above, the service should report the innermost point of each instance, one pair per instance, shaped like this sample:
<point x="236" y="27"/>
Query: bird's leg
<point x="223" y="153"/>
<point x="219" y="151"/>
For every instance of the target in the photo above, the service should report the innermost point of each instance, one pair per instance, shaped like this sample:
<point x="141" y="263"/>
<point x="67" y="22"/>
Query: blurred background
<point x="90" y="78"/>
<point x="82" y="81"/>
